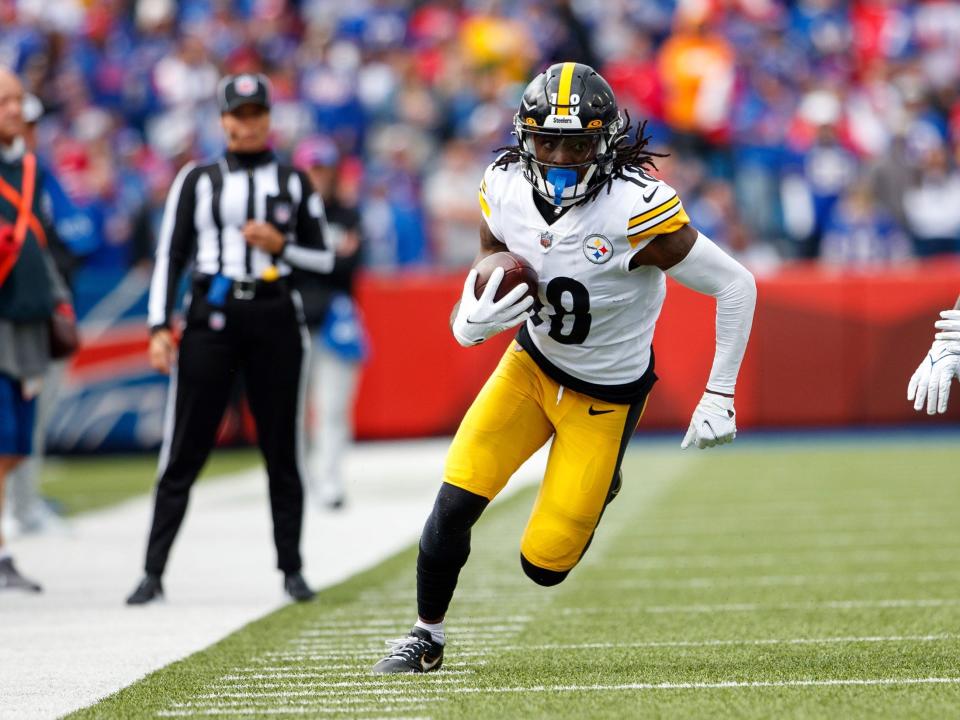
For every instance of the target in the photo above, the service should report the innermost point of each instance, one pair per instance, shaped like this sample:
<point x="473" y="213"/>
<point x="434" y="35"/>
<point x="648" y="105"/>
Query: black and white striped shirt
<point x="208" y="206"/>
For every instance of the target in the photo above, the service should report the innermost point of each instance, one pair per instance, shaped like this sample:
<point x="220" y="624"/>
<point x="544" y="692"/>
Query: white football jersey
<point x="597" y="320"/>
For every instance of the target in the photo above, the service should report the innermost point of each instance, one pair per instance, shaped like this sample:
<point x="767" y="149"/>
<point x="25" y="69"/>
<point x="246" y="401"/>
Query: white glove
<point x="713" y="423"/>
<point x="949" y="326"/>
<point x="931" y="381"/>
<point x="480" y="318"/>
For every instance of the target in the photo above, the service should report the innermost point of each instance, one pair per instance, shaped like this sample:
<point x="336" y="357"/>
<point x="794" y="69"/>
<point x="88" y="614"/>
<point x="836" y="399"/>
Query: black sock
<point x="444" y="548"/>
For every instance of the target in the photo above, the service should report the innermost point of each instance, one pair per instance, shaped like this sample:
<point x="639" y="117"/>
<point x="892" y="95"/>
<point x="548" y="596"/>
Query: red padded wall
<point x="828" y="348"/>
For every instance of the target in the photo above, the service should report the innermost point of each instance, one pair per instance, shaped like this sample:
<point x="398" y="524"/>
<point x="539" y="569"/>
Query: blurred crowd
<point x="809" y="129"/>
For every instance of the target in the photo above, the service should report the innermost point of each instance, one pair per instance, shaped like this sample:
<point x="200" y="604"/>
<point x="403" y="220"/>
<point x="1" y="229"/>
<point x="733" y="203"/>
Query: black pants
<point x="260" y="339"/>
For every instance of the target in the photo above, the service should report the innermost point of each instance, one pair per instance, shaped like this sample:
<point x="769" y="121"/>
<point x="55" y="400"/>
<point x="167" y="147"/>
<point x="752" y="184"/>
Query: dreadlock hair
<point x="625" y="157"/>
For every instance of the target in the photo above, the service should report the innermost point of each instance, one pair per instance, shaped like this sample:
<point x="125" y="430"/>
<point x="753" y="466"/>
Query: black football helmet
<point x="568" y="99"/>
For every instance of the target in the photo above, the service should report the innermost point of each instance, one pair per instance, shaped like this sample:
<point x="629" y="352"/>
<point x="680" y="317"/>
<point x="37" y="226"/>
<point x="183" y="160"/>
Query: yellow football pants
<point x="515" y="413"/>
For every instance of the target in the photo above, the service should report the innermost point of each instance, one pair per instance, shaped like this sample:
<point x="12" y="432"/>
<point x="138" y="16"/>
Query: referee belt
<point x="243" y="289"/>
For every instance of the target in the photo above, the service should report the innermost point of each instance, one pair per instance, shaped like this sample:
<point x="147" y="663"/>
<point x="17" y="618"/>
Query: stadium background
<point x="792" y="574"/>
<point x="817" y="141"/>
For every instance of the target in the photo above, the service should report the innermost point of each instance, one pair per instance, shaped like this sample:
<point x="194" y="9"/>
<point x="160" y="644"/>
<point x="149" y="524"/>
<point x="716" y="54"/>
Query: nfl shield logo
<point x="546" y="239"/>
<point x="282" y="213"/>
<point x="217" y="321"/>
<point x="246" y="85"/>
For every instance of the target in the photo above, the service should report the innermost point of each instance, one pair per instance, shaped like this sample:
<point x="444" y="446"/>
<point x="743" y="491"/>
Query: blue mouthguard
<point x="560" y="178"/>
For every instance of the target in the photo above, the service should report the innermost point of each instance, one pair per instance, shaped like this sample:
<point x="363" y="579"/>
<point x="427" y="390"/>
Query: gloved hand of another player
<point x="713" y="423"/>
<point x="931" y="381"/>
<point x="480" y="318"/>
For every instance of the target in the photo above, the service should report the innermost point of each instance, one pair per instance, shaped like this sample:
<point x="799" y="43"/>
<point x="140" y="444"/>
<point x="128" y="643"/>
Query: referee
<point x="244" y="221"/>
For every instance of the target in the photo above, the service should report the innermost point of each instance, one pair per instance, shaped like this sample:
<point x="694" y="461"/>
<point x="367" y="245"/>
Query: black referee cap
<point x="246" y="89"/>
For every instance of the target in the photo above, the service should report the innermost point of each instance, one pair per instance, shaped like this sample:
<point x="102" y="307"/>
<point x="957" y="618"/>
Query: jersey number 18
<point x="577" y="305"/>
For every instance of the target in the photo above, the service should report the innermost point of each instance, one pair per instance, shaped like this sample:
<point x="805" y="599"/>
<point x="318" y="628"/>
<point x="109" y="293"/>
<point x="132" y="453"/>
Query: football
<point x="516" y="270"/>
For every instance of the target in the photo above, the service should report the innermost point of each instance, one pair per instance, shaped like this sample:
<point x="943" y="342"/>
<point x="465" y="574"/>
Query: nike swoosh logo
<point x="592" y="411"/>
<point x="648" y="198"/>
<point x="427" y="666"/>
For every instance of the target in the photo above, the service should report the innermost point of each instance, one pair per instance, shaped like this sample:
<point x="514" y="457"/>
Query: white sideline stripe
<point x="852" y="639"/>
<point x="358" y="666"/>
<point x="278" y="670"/>
<point x="362" y="670"/>
<point x="349" y="623"/>
<point x="427" y="688"/>
<point x="720" y="643"/>
<point x="342" y="700"/>
<point x="313" y="708"/>
<point x="311" y="680"/>
<point x="490" y="630"/>
<point x="364" y="655"/>
<point x="301" y="656"/>
<point x="339" y="650"/>
<point x="397" y="689"/>
<point x="754" y="607"/>
<point x="771" y="580"/>
<point x="373" y="682"/>
<point x="377" y="625"/>
<point x="733" y="684"/>
<point x="337" y="647"/>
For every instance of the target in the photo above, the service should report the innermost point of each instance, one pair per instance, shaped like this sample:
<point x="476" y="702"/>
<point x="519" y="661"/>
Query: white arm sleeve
<point x="307" y="258"/>
<point x="709" y="270"/>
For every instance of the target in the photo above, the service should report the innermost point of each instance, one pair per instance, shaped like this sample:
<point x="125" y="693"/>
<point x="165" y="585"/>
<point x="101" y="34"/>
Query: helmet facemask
<point x="566" y="185"/>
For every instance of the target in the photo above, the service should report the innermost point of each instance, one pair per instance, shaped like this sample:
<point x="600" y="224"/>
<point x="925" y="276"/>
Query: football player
<point x="574" y="198"/>
<point x="930" y="383"/>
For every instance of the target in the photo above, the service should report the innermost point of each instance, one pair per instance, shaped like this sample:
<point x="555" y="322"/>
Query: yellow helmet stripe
<point x="563" y="92"/>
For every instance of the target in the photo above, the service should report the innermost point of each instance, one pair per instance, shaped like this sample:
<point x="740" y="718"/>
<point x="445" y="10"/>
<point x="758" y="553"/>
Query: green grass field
<point x="787" y="580"/>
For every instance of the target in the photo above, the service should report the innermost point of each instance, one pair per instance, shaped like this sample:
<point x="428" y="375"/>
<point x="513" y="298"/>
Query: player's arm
<point x="488" y="246"/>
<point x="474" y="319"/>
<point x="693" y="260"/>
<point x="930" y="383"/>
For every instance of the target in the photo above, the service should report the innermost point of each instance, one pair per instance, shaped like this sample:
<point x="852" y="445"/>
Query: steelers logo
<point x="597" y="249"/>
